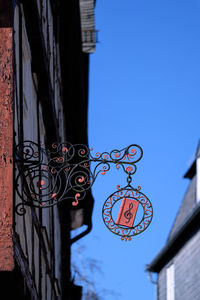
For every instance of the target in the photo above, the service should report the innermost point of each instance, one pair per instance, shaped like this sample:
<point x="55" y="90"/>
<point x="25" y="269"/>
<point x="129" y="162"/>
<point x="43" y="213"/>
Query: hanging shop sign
<point x="65" y="172"/>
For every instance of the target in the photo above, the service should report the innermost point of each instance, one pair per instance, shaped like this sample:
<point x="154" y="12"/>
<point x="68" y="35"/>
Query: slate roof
<point x="186" y="219"/>
<point x="187" y="206"/>
<point x="198" y="150"/>
<point x="189" y="203"/>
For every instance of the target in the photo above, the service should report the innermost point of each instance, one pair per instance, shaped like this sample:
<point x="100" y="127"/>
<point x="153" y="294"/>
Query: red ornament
<point x="127" y="212"/>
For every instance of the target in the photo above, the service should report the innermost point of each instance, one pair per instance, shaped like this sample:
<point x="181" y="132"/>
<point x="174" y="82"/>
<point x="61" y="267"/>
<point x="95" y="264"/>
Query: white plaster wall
<point x="198" y="179"/>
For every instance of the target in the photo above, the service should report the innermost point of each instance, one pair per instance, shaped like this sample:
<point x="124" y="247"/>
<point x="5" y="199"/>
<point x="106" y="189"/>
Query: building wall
<point x="187" y="277"/>
<point x="161" y="287"/>
<point x="187" y="266"/>
<point x="37" y="233"/>
<point x="6" y="136"/>
<point x="35" y="247"/>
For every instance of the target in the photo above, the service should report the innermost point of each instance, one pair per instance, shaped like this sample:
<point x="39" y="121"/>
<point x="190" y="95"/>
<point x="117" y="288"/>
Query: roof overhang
<point x="189" y="228"/>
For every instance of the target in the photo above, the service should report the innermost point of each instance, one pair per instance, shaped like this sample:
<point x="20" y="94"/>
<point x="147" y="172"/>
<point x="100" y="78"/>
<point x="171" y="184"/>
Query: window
<point x="170" y="283"/>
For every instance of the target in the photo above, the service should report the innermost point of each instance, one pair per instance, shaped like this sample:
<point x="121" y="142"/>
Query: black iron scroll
<point x="64" y="172"/>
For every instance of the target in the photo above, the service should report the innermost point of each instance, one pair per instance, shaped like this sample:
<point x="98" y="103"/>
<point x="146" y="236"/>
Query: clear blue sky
<point x="144" y="89"/>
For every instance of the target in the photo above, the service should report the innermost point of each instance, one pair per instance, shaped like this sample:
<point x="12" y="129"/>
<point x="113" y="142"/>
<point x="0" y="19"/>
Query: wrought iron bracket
<point x="47" y="176"/>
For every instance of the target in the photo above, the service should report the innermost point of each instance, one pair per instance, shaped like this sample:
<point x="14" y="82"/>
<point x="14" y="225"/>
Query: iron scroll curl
<point x="126" y="232"/>
<point x="47" y="176"/>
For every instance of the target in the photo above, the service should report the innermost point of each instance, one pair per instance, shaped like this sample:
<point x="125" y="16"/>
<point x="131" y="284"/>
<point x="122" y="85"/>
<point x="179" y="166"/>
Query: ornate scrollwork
<point x="47" y="176"/>
<point x="127" y="232"/>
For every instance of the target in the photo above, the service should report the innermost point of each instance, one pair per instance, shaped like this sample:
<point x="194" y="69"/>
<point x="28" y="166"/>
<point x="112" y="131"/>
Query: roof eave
<point x="180" y="237"/>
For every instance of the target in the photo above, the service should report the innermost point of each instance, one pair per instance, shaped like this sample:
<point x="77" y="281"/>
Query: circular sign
<point x="130" y="201"/>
